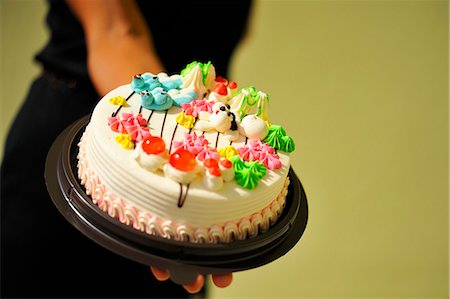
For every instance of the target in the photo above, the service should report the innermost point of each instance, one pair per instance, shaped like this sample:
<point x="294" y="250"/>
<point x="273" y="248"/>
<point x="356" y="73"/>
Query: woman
<point x="95" y="46"/>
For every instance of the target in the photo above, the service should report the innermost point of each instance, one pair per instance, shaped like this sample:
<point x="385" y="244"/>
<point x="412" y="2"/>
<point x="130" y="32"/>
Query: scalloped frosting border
<point x="144" y="221"/>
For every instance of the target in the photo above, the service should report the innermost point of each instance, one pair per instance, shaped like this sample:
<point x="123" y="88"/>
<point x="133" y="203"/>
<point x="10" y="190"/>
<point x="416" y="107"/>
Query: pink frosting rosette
<point x="116" y="124"/>
<point x="191" y="142"/>
<point x="137" y="133"/>
<point x="248" y="154"/>
<point x="126" y="120"/>
<point x="262" y="152"/>
<point x="193" y="108"/>
<point x="271" y="161"/>
<point x="137" y="120"/>
<point x="208" y="153"/>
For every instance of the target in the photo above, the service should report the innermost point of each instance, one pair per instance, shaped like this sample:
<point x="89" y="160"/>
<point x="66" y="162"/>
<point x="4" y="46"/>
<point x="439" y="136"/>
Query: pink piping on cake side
<point x="126" y="213"/>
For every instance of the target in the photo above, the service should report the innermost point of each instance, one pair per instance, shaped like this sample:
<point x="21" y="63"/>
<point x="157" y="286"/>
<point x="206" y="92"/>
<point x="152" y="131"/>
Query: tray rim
<point x="175" y="254"/>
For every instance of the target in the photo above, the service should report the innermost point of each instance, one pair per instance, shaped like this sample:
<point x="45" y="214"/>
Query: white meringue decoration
<point x="227" y="173"/>
<point x="214" y="96"/>
<point x="183" y="177"/>
<point x="182" y="96"/>
<point x="212" y="182"/>
<point x="149" y="162"/>
<point x="210" y="80"/>
<point x="253" y="127"/>
<point x="219" y="119"/>
<point x="164" y="77"/>
<point x="194" y="80"/>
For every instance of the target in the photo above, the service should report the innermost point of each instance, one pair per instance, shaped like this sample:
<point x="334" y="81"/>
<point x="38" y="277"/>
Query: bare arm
<point x="119" y="44"/>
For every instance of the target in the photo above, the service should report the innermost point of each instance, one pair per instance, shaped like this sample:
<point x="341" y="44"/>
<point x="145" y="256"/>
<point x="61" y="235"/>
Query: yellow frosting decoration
<point x="186" y="121"/>
<point x="125" y="141"/>
<point x="228" y="152"/>
<point x="119" y="101"/>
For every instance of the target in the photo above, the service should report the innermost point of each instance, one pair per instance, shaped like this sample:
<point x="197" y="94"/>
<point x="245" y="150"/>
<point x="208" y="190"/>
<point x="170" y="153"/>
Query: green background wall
<point x="362" y="86"/>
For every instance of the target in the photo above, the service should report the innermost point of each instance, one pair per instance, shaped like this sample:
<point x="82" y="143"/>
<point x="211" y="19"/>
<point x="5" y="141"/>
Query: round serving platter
<point x="184" y="260"/>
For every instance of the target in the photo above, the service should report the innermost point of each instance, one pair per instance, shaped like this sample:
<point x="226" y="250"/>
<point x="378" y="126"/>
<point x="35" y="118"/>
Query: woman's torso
<point x="183" y="31"/>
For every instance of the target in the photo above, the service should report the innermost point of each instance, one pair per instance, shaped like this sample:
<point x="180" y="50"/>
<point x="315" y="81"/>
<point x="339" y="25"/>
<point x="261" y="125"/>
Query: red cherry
<point x="210" y="163"/>
<point x="232" y="84"/>
<point x="183" y="160"/>
<point x="221" y="79"/>
<point x="153" y="145"/>
<point x="221" y="89"/>
<point x="226" y="163"/>
<point x="214" y="171"/>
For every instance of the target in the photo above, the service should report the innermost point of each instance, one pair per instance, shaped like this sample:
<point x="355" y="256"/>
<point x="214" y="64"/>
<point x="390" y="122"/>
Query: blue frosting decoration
<point x="138" y="84"/>
<point x="160" y="100"/>
<point x="161" y="95"/>
<point x="152" y="81"/>
<point x="146" y="98"/>
<point x="143" y="82"/>
<point x="183" y="97"/>
<point x="172" y="84"/>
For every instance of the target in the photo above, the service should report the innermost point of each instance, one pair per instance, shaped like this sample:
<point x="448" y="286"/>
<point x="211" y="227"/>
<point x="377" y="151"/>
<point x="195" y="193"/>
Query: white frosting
<point x="163" y="77"/>
<point x="183" y="177"/>
<point x="194" y="80"/>
<point x="153" y="192"/>
<point x="227" y="173"/>
<point x="210" y="80"/>
<point x="254" y="127"/>
<point x="212" y="182"/>
<point x="214" y="96"/>
<point x="149" y="162"/>
<point x="218" y="120"/>
<point x="182" y="93"/>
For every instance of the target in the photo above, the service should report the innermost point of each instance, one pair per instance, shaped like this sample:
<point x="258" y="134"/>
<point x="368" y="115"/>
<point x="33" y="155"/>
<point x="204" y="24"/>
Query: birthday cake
<point x="189" y="157"/>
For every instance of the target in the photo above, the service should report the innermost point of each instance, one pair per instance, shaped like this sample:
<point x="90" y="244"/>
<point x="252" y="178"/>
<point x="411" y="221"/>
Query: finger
<point x="222" y="280"/>
<point x="159" y="274"/>
<point x="196" y="286"/>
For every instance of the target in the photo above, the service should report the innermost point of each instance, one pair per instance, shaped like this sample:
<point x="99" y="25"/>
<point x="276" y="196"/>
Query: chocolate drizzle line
<point x="151" y="113"/>
<point x="164" y="122"/>
<point x="182" y="198"/>
<point x="217" y="139"/>
<point x="120" y="107"/>
<point x="193" y="125"/>
<point x="173" y="136"/>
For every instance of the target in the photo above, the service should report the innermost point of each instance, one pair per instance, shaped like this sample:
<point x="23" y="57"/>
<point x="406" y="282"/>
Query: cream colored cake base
<point x="148" y="200"/>
<point x="146" y="221"/>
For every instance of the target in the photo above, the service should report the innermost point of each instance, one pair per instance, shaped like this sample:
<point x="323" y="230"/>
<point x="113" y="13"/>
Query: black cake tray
<point x="184" y="260"/>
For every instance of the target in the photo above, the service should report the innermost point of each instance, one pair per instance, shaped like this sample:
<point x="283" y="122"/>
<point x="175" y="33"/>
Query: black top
<point x="183" y="31"/>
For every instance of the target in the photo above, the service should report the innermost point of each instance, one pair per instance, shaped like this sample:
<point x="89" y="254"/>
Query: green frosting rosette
<point x="289" y="144"/>
<point x="279" y="140"/>
<point x="237" y="162"/>
<point x="247" y="174"/>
